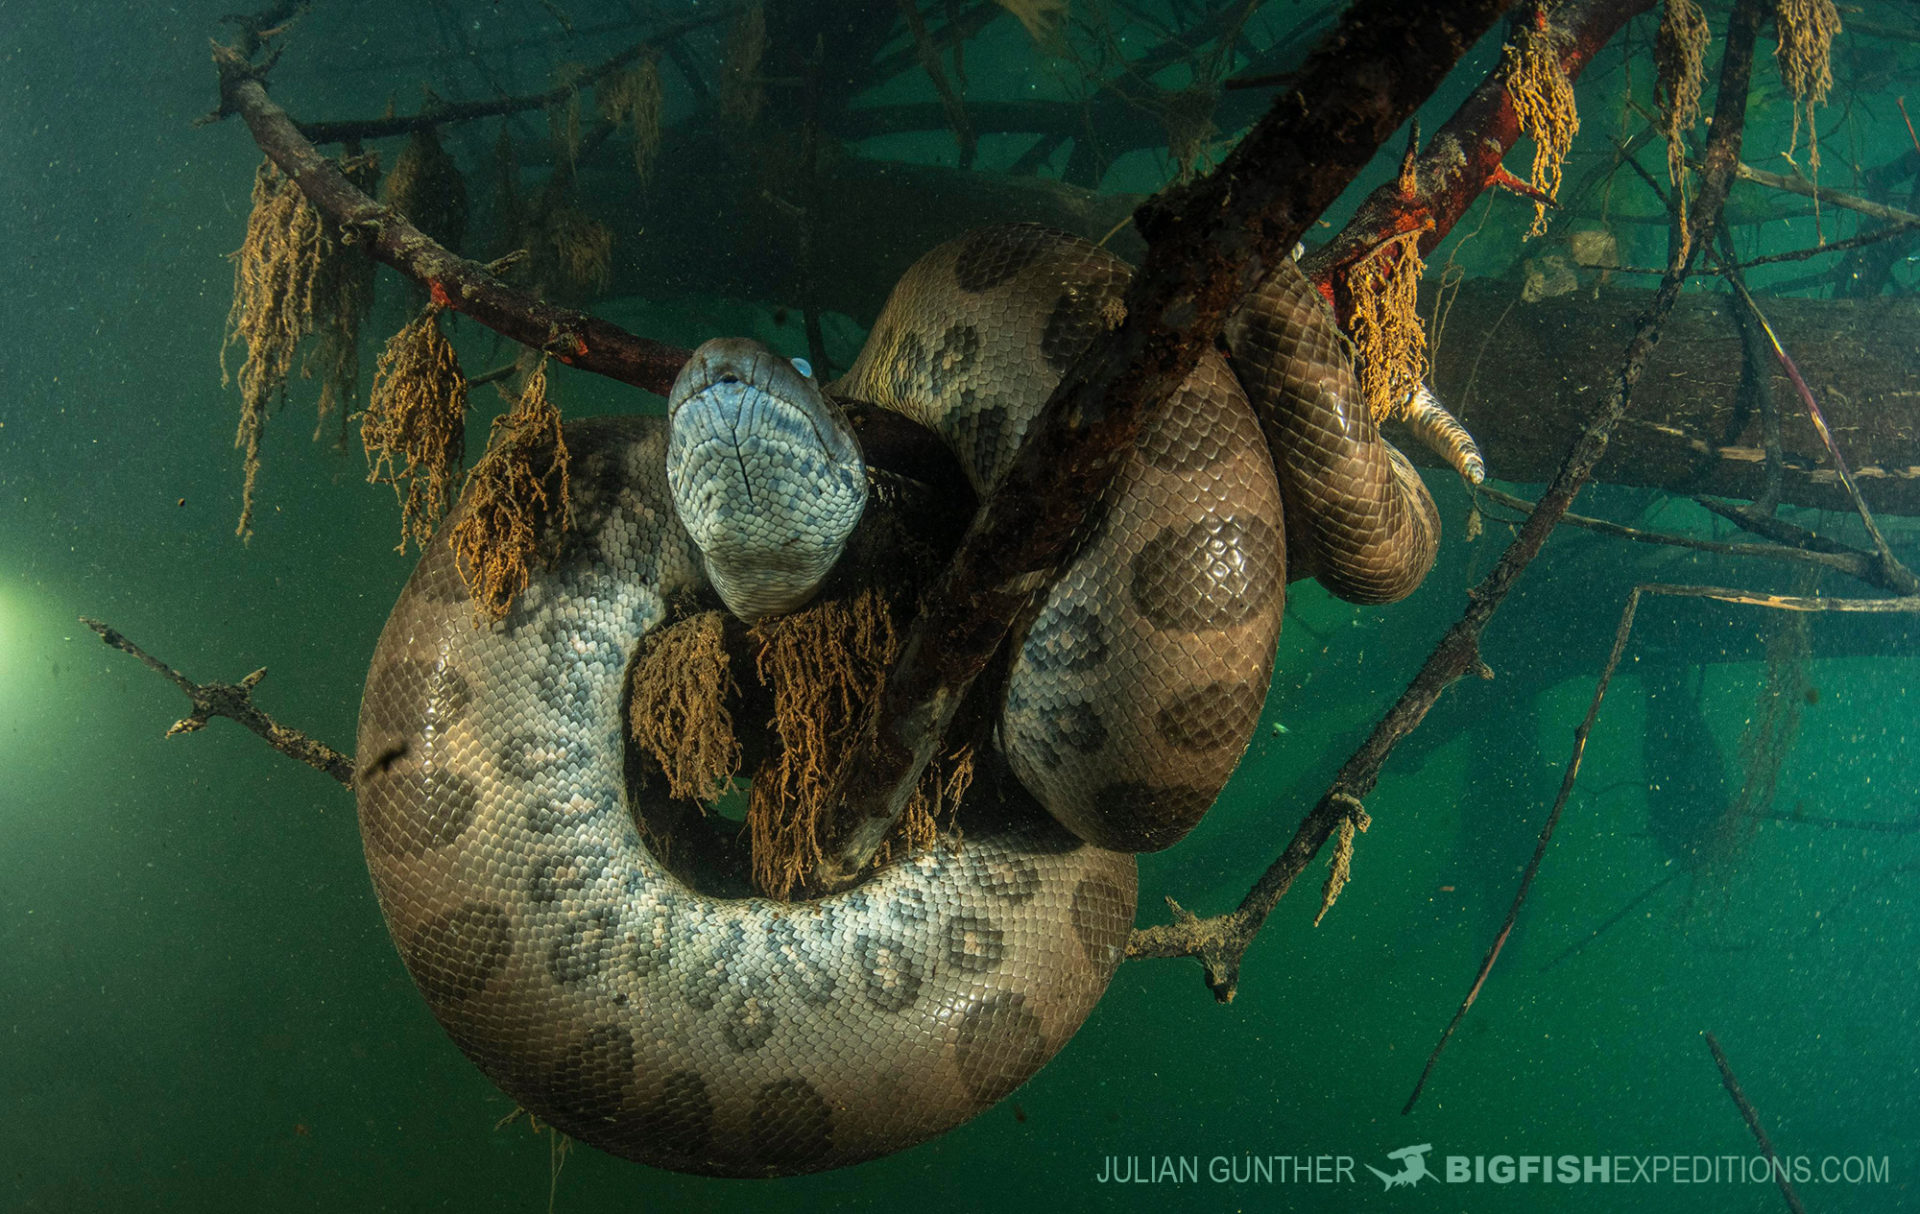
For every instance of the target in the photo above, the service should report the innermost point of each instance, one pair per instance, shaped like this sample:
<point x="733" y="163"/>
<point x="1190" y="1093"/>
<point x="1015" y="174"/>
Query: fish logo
<point x="1413" y="1167"/>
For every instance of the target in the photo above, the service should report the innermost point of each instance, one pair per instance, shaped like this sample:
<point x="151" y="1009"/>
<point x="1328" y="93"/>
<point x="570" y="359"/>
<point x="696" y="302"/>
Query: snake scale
<point x="747" y="1037"/>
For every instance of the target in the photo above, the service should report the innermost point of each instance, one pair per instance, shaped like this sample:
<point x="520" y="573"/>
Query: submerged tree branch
<point x="1889" y="566"/>
<point x="1622" y="632"/>
<point x="1807" y="189"/>
<point x="235" y="702"/>
<point x="1855" y="564"/>
<point x="1752" y="1117"/>
<point x="1689" y="240"/>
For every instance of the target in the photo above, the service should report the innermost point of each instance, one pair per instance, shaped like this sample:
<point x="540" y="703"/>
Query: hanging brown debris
<point x="1044" y="20"/>
<point x="1386" y="327"/>
<point x="570" y="252"/>
<point x="498" y="533"/>
<point x="414" y="429"/>
<point x="427" y="188"/>
<point x="1543" y="104"/>
<point x="582" y="250"/>
<point x="1341" y="870"/>
<point x="935" y="800"/>
<point x="1679" y="56"/>
<point x="1188" y="117"/>
<point x="1804" y="57"/>
<point x="335" y="359"/>
<point x="741" y="90"/>
<point x="293" y="277"/>
<point x="563" y="115"/>
<point x="634" y="98"/>
<point x="1775" y="723"/>
<point x="825" y="664"/>
<point x="678" y="711"/>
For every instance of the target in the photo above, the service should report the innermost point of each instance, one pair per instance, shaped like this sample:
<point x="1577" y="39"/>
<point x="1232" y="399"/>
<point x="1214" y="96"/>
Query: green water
<point x="200" y="1004"/>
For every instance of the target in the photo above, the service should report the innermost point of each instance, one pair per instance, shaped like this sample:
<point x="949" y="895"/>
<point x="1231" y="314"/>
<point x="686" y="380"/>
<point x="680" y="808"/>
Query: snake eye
<point x="803" y="367"/>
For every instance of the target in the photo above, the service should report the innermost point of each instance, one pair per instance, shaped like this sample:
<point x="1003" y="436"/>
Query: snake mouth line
<point x="740" y="456"/>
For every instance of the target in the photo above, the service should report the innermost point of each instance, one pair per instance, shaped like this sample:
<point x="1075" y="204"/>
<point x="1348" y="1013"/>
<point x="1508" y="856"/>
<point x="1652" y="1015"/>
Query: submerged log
<point x="1522" y="376"/>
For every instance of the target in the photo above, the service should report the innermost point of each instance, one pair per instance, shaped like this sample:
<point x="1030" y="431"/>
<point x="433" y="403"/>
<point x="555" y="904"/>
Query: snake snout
<point x="765" y="473"/>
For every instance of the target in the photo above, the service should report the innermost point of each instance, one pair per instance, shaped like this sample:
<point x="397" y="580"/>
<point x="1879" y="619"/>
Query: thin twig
<point x="1779" y="530"/>
<point x="1580" y="736"/>
<point x="235" y="702"/>
<point x="1752" y="1118"/>
<point x="1903" y="605"/>
<point x="809" y="218"/>
<point x="1859" y="565"/>
<point x="1901" y="578"/>
<point x="1832" y="246"/>
<point x="950" y="99"/>
<point x="1807" y="189"/>
<point x="1621" y="634"/>
<point x="1580" y="946"/>
<point x="1907" y="827"/>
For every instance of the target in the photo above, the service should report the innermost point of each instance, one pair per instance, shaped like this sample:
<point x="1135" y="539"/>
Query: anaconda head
<point x="765" y="472"/>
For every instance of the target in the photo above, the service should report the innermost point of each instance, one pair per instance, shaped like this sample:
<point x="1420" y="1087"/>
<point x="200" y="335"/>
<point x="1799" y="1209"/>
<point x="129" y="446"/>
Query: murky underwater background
<point x="201" y="1009"/>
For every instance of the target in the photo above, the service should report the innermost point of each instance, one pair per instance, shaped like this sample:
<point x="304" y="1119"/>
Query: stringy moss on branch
<point x="582" y="249"/>
<point x="426" y="187"/>
<point x="1804" y="57"/>
<point x="1543" y="104"/>
<point x="498" y="534"/>
<point x="1386" y="327"/>
<point x="825" y="665"/>
<point x="678" y="710"/>
<point x="414" y="429"/>
<point x="1340" y="870"/>
<point x="1679" y="56"/>
<point x="742" y="92"/>
<point x="293" y="277"/>
<point x="635" y="97"/>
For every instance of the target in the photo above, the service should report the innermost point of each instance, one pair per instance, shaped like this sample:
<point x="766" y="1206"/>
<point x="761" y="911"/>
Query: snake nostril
<point x="729" y="378"/>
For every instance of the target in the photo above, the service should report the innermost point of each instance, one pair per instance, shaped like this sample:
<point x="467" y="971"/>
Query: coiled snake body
<point x="750" y="1037"/>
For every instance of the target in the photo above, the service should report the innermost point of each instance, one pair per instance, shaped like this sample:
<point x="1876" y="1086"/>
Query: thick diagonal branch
<point x="1207" y="245"/>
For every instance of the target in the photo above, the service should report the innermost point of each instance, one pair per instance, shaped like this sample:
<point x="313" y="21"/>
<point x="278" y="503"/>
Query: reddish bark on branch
<point x="1464" y="156"/>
